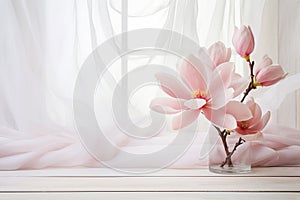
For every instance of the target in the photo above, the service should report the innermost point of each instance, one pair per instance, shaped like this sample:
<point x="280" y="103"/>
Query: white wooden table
<point x="262" y="183"/>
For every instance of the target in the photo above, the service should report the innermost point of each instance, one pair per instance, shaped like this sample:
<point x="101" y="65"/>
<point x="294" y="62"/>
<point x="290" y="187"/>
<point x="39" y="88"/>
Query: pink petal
<point x="229" y="93"/>
<point x="195" y="103"/>
<point x="251" y="45"/>
<point x="243" y="40"/>
<point x="167" y="105"/>
<point x="184" y="119"/>
<point x="243" y="131"/>
<point x="225" y="71"/>
<point x="272" y="82"/>
<point x="246" y="41"/>
<point x="250" y="103"/>
<point x="220" y="118"/>
<point x="206" y="62"/>
<point x="216" y="52"/>
<point x="269" y="73"/>
<point x="192" y="77"/>
<point x="256" y="112"/>
<point x="219" y="99"/>
<point x="238" y="83"/>
<point x="265" y="62"/>
<point x="262" y="123"/>
<point x="172" y="86"/>
<point x="219" y="53"/>
<point x="218" y="85"/>
<point x="228" y="56"/>
<point x="235" y="37"/>
<point x="239" y="110"/>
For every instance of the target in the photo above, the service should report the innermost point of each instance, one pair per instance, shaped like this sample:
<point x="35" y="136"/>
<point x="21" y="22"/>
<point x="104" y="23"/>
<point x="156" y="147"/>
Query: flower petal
<point x="219" y="99"/>
<point x="218" y="86"/>
<point x="172" y="86"/>
<point x="272" y="72"/>
<point x="167" y="105"/>
<point x="228" y="56"/>
<point x="185" y="118"/>
<point x="195" y="103"/>
<point x="272" y="82"/>
<point x="220" y="118"/>
<point x="219" y="53"/>
<point x="205" y="60"/>
<point x="243" y="40"/>
<point x="245" y="131"/>
<point x="225" y="71"/>
<point x="264" y="63"/>
<point x="238" y="83"/>
<point x="256" y="112"/>
<point x="262" y="123"/>
<point x="194" y="78"/>
<point x="239" y="110"/>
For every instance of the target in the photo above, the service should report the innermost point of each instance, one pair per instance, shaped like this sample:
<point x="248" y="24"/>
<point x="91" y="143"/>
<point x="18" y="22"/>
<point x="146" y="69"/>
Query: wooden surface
<point x="262" y="183"/>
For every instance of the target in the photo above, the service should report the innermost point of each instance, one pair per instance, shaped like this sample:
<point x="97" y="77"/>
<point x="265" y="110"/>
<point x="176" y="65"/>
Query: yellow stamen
<point x="228" y="132"/>
<point x="244" y="124"/>
<point x="199" y="94"/>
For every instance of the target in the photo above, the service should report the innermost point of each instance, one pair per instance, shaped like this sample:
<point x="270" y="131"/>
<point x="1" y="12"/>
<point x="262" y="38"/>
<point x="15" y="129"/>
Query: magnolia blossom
<point x="201" y="90"/>
<point x="267" y="73"/>
<point x="255" y="124"/>
<point x="243" y="41"/>
<point x="219" y="53"/>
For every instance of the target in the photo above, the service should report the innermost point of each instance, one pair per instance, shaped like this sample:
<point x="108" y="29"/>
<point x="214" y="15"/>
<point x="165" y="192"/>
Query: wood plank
<point x="105" y="172"/>
<point x="153" y="184"/>
<point x="150" y="196"/>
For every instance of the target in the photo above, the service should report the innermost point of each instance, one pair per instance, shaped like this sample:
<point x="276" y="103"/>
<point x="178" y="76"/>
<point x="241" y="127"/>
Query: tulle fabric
<point x="280" y="146"/>
<point x="44" y="43"/>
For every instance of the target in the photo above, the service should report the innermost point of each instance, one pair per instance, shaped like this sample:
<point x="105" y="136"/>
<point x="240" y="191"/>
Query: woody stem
<point x="223" y="134"/>
<point x="251" y="84"/>
<point x="228" y="158"/>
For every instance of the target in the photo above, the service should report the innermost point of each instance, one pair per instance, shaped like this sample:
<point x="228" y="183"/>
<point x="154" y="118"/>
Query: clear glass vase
<point x="220" y="162"/>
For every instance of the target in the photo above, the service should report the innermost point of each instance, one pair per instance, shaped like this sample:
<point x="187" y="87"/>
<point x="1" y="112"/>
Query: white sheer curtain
<point x="44" y="43"/>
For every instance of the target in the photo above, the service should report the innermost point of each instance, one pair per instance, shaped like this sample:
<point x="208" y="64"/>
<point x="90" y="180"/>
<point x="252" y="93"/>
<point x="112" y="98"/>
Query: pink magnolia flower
<point x="255" y="124"/>
<point x="243" y="41"/>
<point x="202" y="90"/>
<point x="219" y="53"/>
<point x="267" y="73"/>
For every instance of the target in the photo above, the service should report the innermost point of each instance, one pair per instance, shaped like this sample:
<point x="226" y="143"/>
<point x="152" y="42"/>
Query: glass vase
<point x="236" y="159"/>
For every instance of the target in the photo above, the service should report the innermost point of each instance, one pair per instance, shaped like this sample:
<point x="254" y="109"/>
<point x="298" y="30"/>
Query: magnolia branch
<point x="223" y="134"/>
<point x="251" y="84"/>
<point x="228" y="158"/>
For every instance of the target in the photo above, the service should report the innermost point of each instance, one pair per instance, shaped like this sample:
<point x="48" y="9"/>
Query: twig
<point x="251" y="84"/>
<point x="223" y="134"/>
<point x="228" y="158"/>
